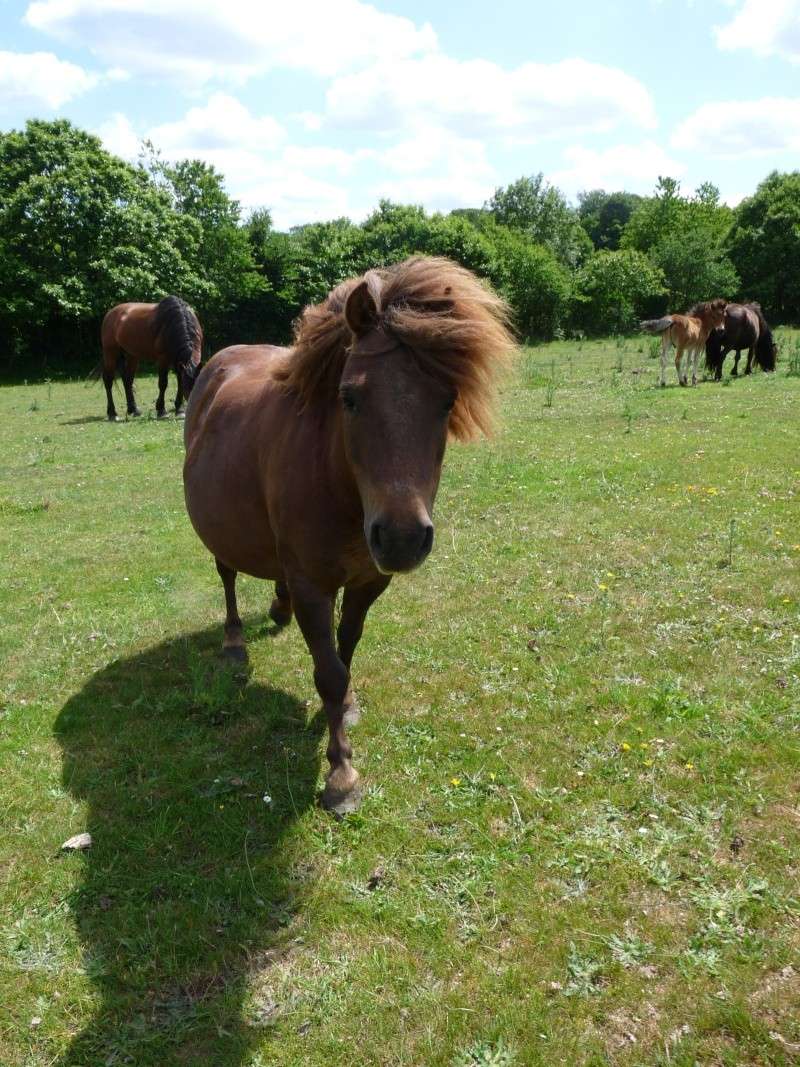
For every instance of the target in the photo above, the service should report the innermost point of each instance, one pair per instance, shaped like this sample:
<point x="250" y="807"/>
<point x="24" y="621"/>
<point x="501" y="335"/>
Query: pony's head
<point x="406" y="356"/>
<point x="179" y="331"/>
<point x="714" y="350"/>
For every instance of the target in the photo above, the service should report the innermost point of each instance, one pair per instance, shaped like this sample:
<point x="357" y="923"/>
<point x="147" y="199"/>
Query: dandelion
<point x="625" y="746"/>
<point x="644" y="744"/>
<point x="648" y="763"/>
<point x="712" y="491"/>
<point x="689" y="766"/>
<point x="492" y="776"/>
<point x="786" y="600"/>
<point x="610" y="574"/>
<point x="455" y="781"/>
<point x="602" y="587"/>
<point x="777" y="533"/>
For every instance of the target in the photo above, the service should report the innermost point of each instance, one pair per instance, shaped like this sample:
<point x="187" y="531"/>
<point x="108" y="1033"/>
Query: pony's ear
<point x="362" y="308"/>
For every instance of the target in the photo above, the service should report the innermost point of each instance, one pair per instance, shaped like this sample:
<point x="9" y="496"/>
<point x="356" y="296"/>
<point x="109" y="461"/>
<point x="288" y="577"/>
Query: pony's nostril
<point x="427" y="539"/>
<point x="376" y="535"/>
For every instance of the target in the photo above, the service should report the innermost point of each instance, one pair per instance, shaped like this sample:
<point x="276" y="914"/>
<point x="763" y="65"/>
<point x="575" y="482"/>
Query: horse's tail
<point x="656" y="325"/>
<point x="765" y="345"/>
<point x="179" y="331"/>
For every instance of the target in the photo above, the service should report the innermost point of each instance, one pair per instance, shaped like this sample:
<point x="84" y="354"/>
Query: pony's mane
<point x="178" y="329"/>
<point x="705" y="307"/>
<point x="456" y="327"/>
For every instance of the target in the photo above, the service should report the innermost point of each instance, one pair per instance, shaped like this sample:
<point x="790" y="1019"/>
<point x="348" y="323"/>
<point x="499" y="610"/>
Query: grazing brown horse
<point x="167" y="333"/>
<point x="688" y="333"/>
<point x="744" y="327"/>
<point x="317" y="465"/>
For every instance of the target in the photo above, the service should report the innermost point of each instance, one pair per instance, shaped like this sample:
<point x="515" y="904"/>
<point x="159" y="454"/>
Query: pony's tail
<point x="765" y="345"/>
<point x="656" y="325"/>
<point x="95" y="373"/>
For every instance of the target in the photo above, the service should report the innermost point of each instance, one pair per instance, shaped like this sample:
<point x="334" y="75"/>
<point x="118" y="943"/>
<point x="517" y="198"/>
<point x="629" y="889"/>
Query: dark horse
<point x="167" y="333"/>
<point x="317" y="466"/>
<point x="744" y="327"/>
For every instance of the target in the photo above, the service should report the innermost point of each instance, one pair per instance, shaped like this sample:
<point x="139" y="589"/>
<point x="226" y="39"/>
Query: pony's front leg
<point x="735" y="371"/>
<point x="694" y="354"/>
<point x="679" y="366"/>
<point x="314" y="612"/>
<point x="179" y="394"/>
<point x="356" y="602"/>
<point x="750" y="353"/>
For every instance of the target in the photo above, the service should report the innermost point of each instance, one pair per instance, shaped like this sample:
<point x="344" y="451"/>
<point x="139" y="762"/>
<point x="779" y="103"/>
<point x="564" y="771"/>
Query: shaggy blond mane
<point x="455" y="326"/>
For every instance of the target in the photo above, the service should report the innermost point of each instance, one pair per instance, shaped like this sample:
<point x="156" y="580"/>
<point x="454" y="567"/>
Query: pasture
<point x="580" y="836"/>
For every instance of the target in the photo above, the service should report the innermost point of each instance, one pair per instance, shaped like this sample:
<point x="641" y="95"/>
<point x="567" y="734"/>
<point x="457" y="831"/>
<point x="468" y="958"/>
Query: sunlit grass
<point x="580" y="836"/>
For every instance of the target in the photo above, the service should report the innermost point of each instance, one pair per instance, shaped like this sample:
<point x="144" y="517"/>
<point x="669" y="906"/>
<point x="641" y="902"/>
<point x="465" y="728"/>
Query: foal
<point x="688" y="333"/>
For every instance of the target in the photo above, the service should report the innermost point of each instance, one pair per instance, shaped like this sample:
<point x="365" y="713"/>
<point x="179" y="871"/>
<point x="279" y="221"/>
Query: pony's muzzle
<point x="397" y="547"/>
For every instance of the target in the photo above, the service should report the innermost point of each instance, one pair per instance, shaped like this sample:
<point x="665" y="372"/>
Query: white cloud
<point x="198" y="41"/>
<point x="766" y="27"/>
<point x="476" y="97"/>
<point x="741" y="128"/>
<point x="40" y="79"/>
<point x="635" y="167"/>
<point x="438" y="169"/>
<point x="223" y="123"/>
<point x="250" y="151"/>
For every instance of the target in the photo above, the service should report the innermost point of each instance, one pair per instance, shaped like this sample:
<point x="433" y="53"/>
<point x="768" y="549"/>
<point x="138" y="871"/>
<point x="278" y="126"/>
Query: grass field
<point x="580" y="842"/>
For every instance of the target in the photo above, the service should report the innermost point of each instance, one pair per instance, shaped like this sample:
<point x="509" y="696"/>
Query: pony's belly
<point x="233" y="527"/>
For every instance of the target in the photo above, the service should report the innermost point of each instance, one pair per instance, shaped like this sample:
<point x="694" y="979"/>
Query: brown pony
<point x="167" y="333"/>
<point x="688" y="333"/>
<point x="745" y="327"/>
<point x="317" y="466"/>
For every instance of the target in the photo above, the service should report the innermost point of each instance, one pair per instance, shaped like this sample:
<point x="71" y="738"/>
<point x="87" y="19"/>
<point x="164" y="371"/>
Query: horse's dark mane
<point x="177" y="328"/>
<point x="456" y="326"/>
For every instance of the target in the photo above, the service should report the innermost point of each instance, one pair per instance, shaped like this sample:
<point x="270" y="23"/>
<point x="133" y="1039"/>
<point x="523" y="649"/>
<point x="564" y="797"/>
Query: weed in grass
<point x="584" y="974"/>
<point x="487" y="1054"/>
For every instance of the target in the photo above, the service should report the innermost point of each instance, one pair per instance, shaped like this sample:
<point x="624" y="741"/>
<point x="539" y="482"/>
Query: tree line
<point x="82" y="230"/>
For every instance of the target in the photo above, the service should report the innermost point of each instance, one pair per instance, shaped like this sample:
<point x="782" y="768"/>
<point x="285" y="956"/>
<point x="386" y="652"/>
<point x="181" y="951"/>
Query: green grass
<point x="580" y="838"/>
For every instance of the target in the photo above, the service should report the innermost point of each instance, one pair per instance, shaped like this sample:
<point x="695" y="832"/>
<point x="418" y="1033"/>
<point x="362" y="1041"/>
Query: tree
<point x="604" y="216"/>
<point x="615" y="289"/>
<point x="81" y="230"/>
<point x="224" y="256"/>
<point x="540" y="211"/>
<point x="694" y="268"/>
<point x="764" y="244"/>
<point x="656" y="217"/>
<point x="533" y="281"/>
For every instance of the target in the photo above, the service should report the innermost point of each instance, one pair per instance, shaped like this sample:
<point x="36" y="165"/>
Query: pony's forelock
<point x="456" y="327"/>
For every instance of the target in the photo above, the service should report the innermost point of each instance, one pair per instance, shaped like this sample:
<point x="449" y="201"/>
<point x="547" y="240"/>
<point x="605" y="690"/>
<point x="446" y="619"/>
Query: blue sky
<point x="317" y="108"/>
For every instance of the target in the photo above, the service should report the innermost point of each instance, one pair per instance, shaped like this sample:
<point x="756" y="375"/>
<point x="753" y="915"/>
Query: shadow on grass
<point x="190" y="880"/>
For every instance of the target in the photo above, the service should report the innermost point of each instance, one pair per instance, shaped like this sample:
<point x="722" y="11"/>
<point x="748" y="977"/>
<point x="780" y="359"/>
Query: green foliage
<point x="80" y="230"/>
<point x="764" y="244"/>
<point x="535" y="284"/>
<point x="541" y="212"/>
<point x="684" y="238"/>
<point x="616" y="289"/>
<point x="604" y="216"/>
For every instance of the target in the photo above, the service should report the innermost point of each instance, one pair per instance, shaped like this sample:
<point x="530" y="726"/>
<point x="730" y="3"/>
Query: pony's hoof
<point x="161" y="415"/>
<point x="341" y="802"/>
<point x="280" y="616"/>
<point x="234" y="654"/>
<point x="682" y="383"/>
<point x="663" y="385"/>
<point x="180" y="414"/>
<point x="113" y="418"/>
